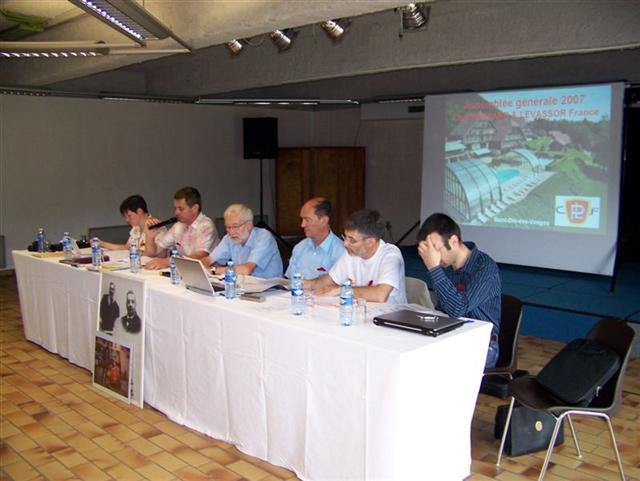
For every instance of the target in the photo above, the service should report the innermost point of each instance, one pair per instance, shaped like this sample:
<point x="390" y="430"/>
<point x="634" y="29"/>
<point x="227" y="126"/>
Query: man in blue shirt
<point x="315" y="255"/>
<point x="253" y="250"/>
<point x="465" y="279"/>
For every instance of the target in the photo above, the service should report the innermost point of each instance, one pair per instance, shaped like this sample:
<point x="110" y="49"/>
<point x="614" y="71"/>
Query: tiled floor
<point x="55" y="426"/>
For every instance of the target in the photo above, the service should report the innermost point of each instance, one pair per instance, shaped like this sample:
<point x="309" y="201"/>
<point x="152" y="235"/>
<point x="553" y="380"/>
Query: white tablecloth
<point x="59" y="306"/>
<point x="331" y="403"/>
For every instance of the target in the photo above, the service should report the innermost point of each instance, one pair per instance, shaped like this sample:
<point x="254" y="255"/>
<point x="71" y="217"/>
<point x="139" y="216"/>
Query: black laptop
<point x="422" y="322"/>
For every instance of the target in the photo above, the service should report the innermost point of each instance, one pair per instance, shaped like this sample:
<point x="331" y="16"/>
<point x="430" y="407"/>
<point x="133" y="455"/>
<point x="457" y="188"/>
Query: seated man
<point x="315" y="255"/>
<point x="135" y="213"/>
<point x="253" y="250"/>
<point x="194" y="235"/>
<point x="376" y="269"/>
<point x="465" y="279"/>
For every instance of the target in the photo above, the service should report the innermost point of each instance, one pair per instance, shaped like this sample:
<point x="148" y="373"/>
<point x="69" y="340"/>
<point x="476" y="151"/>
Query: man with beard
<point x="375" y="268"/>
<point x="465" y="279"/>
<point x="253" y="250"/>
<point x="131" y="321"/>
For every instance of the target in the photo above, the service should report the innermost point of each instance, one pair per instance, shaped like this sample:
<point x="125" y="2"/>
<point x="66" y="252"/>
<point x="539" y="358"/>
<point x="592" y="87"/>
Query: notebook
<point x="195" y="277"/>
<point x="422" y="322"/>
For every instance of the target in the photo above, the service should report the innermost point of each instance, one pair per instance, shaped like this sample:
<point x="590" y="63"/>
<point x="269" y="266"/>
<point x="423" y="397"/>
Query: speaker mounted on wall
<point x="260" y="135"/>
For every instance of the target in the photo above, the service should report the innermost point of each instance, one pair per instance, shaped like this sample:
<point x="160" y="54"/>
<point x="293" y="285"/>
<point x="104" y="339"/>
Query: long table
<point x="329" y="402"/>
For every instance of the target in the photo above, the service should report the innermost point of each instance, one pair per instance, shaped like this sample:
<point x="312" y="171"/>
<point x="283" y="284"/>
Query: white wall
<point x="66" y="164"/>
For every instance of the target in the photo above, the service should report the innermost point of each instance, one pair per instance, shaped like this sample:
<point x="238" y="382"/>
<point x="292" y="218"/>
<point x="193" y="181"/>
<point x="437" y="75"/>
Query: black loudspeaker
<point x="260" y="137"/>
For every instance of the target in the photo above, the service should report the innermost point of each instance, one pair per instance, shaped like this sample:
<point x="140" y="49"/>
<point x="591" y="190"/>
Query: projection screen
<point x="532" y="176"/>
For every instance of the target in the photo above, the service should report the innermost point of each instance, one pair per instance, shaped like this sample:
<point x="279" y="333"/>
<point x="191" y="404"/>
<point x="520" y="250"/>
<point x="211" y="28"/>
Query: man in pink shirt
<point x="194" y="235"/>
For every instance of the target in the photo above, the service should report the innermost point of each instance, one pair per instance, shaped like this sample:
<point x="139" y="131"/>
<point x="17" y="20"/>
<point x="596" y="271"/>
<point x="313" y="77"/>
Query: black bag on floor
<point x="530" y="430"/>
<point x="577" y="373"/>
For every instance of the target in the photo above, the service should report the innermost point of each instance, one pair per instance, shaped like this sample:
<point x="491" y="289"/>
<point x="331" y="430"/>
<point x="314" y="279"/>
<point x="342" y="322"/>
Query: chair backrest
<point x="618" y="336"/>
<point x="510" y="318"/>
<point x="418" y="292"/>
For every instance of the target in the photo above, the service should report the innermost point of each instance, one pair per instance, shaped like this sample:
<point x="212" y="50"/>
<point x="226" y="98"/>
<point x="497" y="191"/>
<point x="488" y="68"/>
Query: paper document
<point x="115" y="265"/>
<point x="252" y="285"/>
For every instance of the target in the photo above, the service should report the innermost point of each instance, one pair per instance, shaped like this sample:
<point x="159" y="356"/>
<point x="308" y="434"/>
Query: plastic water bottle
<point x="230" y="281"/>
<point x="67" y="247"/>
<point x="41" y="240"/>
<point x="96" y="254"/>
<point x="346" y="303"/>
<point x="173" y="268"/>
<point x="297" y="295"/>
<point x="134" y="258"/>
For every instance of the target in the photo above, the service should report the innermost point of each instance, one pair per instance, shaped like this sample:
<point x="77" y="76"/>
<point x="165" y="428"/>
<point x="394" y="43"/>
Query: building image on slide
<point x="488" y="168"/>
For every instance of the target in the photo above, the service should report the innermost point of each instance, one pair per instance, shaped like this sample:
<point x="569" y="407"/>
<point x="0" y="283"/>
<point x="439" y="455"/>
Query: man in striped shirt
<point x="465" y="279"/>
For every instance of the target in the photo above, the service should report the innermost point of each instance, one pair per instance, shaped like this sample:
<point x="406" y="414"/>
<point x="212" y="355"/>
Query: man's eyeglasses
<point x="351" y="240"/>
<point x="234" y="226"/>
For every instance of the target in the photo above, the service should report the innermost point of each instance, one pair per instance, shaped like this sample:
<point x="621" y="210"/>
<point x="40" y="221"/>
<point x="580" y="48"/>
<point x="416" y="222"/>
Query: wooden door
<point x="336" y="173"/>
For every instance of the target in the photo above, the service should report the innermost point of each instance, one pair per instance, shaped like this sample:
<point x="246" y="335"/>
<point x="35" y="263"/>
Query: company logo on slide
<point x="577" y="211"/>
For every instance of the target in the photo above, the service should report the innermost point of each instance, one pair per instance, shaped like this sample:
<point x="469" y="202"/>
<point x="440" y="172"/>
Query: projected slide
<point x="529" y="159"/>
<point x="532" y="176"/>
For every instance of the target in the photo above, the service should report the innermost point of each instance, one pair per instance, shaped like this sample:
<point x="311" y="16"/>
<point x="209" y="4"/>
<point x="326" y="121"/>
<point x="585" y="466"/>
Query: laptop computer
<point x="422" y="322"/>
<point x="195" y="277"/>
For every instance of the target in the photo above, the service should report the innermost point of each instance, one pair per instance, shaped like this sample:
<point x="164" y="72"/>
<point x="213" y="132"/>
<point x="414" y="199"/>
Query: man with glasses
<point x="375" y="268"/>
<point x="315" y="255"/>
<point x="194" y="235"/>
<point x="253" y="250"/>
<point x="466" y="280"/>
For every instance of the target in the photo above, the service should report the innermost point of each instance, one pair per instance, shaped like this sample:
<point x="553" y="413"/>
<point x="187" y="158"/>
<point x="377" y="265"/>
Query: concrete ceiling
<point x="199" y="23"/>
<point x="467" y="45"/>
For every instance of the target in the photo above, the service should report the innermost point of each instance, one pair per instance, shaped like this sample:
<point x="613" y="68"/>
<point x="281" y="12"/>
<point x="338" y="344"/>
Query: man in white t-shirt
<point x="375" y="268"/>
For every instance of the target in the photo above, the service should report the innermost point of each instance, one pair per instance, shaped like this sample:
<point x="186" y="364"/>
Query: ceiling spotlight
<point x="234" y="46"/>
<point x="414" y="16"/>
<point x="281" y="39"/>
<point x="335" y="28"/>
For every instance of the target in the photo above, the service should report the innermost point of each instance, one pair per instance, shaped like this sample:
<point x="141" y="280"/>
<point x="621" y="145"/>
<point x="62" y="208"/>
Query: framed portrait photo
<point x="120" y="318"/>
<point x="112" y="367"/>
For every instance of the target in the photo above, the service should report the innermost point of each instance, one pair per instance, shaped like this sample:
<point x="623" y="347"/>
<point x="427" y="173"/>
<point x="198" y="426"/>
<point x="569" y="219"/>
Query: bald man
<point x="315" y="255"/>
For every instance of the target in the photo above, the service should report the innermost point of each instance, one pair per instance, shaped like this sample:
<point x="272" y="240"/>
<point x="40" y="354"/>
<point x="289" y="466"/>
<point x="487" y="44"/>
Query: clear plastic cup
<point x="360" y="315"/>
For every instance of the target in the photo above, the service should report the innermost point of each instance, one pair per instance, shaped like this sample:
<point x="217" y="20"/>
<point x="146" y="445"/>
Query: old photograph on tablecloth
<point x="112" y="367"/>
<point x="121" y="314"/>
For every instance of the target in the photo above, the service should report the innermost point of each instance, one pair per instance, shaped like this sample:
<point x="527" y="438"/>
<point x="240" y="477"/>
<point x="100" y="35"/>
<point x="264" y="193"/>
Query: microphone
<point x="173" y="220"/>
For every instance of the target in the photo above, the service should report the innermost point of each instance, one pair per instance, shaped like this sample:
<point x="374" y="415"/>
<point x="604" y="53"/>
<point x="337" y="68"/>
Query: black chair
<point x="612" y="333"/>
<point x="496" y="379"/>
